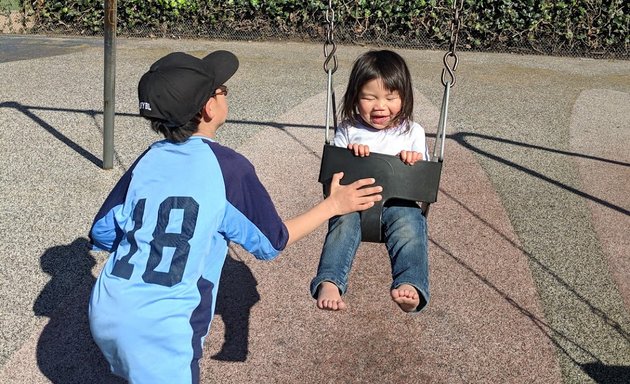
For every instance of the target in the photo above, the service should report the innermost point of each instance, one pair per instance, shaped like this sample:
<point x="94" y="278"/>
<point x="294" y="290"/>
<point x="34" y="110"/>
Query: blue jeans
<point x="406" y="239"/>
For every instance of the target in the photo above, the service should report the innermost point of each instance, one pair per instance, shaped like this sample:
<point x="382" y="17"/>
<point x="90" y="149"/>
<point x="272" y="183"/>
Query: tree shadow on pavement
<point x="66" y="352"/>
<point x="237" y="295"/>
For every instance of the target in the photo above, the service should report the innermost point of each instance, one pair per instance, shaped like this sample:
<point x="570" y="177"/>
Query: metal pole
<point x="329" y="102"/>
<point x="109" y="93"/>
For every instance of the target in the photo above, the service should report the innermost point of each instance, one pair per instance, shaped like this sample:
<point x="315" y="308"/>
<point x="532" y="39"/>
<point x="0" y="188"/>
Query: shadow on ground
<point x="65" y="350"/>
<point x="607" y="374"/>
<point x="237" y="295"/>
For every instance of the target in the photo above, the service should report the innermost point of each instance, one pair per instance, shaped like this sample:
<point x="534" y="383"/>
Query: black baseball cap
<point x="178" y="85"/>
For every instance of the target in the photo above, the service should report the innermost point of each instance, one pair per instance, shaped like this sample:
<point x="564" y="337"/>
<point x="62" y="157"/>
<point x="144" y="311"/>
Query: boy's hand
<point x="353" y="197"/>
<point x="342" y="199"/>
<point x="410" y="157"/>
<point x="359" y="149"/>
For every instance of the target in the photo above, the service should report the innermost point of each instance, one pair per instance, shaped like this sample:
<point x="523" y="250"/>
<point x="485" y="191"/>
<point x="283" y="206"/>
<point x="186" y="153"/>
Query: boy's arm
<point x="343" y="199"/>
<point x="105" y="232"/>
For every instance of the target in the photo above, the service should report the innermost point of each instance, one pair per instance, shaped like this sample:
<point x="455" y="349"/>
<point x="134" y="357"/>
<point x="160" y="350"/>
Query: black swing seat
<point x="419" y="182"/>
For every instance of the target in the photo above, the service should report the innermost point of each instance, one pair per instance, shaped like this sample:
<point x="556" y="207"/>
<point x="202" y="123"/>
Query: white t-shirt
<point x="388" y="141"/>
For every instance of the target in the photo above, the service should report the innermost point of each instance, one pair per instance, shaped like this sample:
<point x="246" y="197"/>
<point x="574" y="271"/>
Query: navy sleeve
<point x="105" y="233"/>
<point x="246" y="193"/>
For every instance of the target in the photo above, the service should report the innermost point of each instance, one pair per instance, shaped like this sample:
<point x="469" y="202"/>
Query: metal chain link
<point x="450" y="58"/>
<point x="329" y="52"/>
<point x="329" y="46"/>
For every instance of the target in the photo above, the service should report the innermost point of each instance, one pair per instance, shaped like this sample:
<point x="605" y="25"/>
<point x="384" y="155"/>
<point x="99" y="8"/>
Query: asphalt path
<point x="529" y="240"/>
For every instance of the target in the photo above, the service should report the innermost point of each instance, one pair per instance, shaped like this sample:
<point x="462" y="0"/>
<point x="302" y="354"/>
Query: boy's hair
<point x="392" y="69"/>
<point x="176" y="134"/>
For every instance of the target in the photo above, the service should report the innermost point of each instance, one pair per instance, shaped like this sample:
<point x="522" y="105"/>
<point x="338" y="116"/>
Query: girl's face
<point x="378" y="106"/>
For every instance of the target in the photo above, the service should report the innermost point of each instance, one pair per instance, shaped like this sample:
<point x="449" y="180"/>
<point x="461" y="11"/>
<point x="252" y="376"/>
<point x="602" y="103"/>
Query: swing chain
<point x="450" y="67"/>
<point x="329" y="46"/>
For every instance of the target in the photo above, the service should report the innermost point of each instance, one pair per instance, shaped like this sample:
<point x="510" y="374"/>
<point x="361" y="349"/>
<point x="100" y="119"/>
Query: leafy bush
<point x="586" y="26"/>
<point x="569" y="24"/>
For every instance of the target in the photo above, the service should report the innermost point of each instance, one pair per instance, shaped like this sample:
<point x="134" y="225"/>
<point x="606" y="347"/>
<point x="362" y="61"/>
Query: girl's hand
<point x="410" y="157"/>
<point x="352" y="197"/>
<point x="359" y="149"/>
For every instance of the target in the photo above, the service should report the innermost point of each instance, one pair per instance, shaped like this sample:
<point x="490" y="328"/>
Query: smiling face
<point x="378" y="106"/>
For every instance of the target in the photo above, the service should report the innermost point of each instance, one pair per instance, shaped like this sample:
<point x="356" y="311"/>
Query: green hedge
<point x="590" y="25"/>
<point x="586" y="26"/>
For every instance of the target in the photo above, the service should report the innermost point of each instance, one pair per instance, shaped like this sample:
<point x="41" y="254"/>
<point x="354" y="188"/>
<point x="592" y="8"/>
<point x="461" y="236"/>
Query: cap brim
<point x="224" y="64"/>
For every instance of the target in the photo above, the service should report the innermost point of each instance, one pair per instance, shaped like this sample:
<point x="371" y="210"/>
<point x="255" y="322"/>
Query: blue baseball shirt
<point x="167" y="225"/>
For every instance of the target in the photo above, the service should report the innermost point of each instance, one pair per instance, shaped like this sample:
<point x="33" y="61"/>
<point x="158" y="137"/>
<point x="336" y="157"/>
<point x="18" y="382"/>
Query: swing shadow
<point x="607" y="374"/>
<point x="66" y="352"/>
<point x="461" y="138"/>
<point x="597" y="370"/>
<point x="27" y="110"/>
<point x="236" y="297"/>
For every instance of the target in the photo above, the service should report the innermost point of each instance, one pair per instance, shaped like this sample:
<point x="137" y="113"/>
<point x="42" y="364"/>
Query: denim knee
<point x="340" y="247"/>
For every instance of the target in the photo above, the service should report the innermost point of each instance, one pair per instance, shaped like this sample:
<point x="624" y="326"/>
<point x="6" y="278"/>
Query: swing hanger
<point x="330" y="47"/>
<point x="450" y="58"/>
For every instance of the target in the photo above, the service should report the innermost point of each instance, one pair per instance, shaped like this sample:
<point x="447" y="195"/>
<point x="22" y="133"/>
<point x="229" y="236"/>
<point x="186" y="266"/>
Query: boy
<point x="168" y="222"/>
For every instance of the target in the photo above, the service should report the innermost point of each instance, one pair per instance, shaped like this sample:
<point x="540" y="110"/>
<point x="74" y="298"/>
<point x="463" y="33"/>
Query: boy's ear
<point x="207" y="113"/>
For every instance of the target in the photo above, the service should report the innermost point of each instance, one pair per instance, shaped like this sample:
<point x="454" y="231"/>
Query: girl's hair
<point x="176" y="134"/>
<point x="388" y="66"/>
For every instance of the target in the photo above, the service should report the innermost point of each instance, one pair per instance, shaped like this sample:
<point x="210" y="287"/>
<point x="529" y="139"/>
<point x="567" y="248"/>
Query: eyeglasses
<point x="223" y="90"/>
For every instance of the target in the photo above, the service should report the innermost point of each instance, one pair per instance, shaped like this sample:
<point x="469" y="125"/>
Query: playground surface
<point x="529" y="239"/>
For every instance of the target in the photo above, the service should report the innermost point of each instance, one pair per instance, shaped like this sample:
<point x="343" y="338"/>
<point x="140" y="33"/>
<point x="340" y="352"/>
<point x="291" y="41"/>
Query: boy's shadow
<point x="66" y="352"/>
<point x="235" y="299"/>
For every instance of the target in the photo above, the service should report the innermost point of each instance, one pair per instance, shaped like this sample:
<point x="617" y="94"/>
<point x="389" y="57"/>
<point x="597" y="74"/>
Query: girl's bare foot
<point x="328" y="297"/>
<point x="406" y="297"/>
